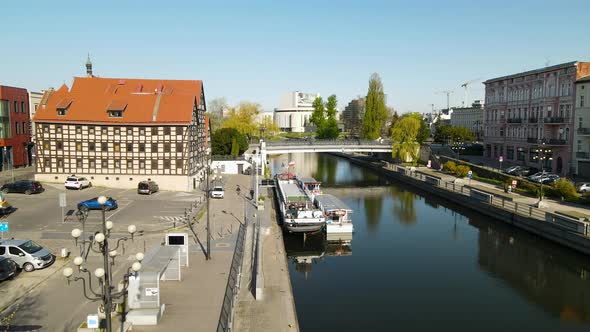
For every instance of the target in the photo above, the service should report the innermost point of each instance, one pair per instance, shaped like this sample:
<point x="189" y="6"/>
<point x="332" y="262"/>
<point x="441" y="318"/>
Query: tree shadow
<point x="24" y="311"/>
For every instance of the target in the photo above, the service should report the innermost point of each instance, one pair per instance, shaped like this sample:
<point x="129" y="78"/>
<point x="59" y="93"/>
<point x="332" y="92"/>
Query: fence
<point x="329" y="142"/>
<point x="232" y="289"/>
<point x="497" y="201"/>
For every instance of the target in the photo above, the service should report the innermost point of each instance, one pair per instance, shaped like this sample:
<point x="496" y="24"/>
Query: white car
<point x="584" y="188"/>
<point x="74" y="182"/>
<point x="217" y="192"/>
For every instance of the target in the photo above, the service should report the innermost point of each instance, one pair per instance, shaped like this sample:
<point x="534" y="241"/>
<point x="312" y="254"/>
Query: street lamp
<point x="208" y="193"/>
<point x="99" y="243"/>
<point x="542" y="155"/>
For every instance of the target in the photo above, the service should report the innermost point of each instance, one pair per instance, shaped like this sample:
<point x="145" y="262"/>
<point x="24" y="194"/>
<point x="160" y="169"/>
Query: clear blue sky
<point x="253" y="50"/>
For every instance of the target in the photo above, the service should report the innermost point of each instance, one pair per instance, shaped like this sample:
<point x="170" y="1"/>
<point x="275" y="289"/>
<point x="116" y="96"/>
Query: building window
<point x="16" y="127"/>
<point x="154" y="164"/>
<point x="129" y="164"/>
<point x="154" y="147"/>
<point x="24" y="127"/>
<point x="117" y="163"/>
<point x="166" y="163"/>
<point x="22" y="107"/>
<point x="154" y="131"/>
<point x="166" y="130"/>
<point x="79" y="163"/>
<point x="59" y="145"/>
<point x="129" y="131"/>
<point x="78" y="130"/>
<point x="141" y="147"/>
<point x="179" y="130"/>
<point x="179" y="163"/>
<point x="92" y="146"/>
<point x="104" y="130"/>
<point x="60" y="162"/>
<point x="15" y="107"/>
<point x="117" y="131"/>
<point x="92" y="163"/>
<point x="46" y="145"/>
<point x="142" y="164"/>
<point x="166" y="147"/>
<point x="141" y="131"/>
<point x="61" y="111"/>
<point x="104" y="147"/>
<point x="91" y="131"/>
<point x="104" y="163"/>
<point x="115" y="114"/>
<point x="129" y="147"/>
<point x="581" y="101"/>
<point x="117" y="147"/>
<point x="78" y="146"/>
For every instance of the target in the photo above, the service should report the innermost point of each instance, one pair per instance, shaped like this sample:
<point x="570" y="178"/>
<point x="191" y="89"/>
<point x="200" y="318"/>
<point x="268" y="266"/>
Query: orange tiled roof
<point x="144" y="101"/>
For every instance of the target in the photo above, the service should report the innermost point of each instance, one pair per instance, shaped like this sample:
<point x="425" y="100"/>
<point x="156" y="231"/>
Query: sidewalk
<point x="551" y="204"/>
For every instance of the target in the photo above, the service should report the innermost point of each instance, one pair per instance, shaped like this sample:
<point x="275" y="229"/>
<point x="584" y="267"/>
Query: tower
<point x="88" y="66"/>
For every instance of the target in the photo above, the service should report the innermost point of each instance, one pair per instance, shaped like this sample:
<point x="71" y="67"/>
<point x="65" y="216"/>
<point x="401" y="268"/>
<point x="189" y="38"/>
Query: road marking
<point x="119" y="210"/>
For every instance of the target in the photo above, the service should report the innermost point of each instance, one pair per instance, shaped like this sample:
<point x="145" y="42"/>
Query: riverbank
<point x="499" y="206"/>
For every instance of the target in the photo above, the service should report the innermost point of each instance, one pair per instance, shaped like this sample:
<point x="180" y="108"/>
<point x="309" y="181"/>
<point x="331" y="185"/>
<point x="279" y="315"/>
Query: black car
<point x="7" y="268"/>
<point x="24" y="186"/>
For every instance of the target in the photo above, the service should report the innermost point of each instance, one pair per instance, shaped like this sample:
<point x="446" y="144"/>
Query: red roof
<point x="145" y="101"/>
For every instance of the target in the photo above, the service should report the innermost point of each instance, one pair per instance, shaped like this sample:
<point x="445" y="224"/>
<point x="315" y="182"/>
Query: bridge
<point x="265" y="148"/>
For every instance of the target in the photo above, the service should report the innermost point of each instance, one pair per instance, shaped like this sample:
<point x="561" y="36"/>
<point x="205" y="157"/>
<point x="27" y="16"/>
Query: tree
<point x="269" y="125"/>
<point x="404" y="135"/>
<point x="235" y="148"/>
<point x="222" y="142"/>
<point x="423" y="132"/>
<point x="324" y="117"/>
<point x="243" y="119"/>
<point x="375" y="109"/>
<point x="319" y="113"/>
<point x="216" y="108"/>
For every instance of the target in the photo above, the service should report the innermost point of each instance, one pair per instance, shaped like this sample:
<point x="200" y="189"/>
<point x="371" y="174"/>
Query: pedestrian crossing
<point x="170" y="218"/>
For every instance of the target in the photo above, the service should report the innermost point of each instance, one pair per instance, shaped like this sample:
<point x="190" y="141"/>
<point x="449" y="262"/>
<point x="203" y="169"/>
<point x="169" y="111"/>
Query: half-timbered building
<point x="117" y="132"/>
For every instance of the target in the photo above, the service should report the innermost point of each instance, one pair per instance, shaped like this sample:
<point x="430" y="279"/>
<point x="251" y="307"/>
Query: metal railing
<point x="338" y="142"/>
<point x="582" y="155"/>
<point x="584" y="131"/>
<point x="557" y="141"/>
<point x="230" y="299"/>
<point x="224" y="157"/>
<point x="555" y="119"/>
<point x="514" y="120"/>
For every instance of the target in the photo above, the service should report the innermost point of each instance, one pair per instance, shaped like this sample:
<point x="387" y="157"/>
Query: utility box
<point x="179" y="240"/>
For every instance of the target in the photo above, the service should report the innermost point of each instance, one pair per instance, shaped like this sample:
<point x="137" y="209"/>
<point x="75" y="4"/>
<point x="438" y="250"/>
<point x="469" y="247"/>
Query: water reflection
<point x="305" y="250"/>
<point x="403" y="206"/>
<point x="549" y="276"/>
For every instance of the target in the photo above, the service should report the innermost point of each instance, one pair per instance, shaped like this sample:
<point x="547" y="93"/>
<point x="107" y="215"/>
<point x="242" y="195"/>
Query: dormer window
<point x="116" y="109"/>
<point x="62" y="106"/>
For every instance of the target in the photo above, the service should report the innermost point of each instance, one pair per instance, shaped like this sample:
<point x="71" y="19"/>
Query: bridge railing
<point x="349" y="142"/>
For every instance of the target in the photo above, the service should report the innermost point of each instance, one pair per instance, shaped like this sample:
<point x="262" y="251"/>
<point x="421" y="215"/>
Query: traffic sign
<point x="62" y="200"/>
<point x="429" y="164"/>
<point x="92" y="321"/>
<point x="514" y="183"/>
<point x="3" y="227"/>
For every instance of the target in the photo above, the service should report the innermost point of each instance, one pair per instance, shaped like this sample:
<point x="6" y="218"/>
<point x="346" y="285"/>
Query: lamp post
<point x="207" y="197"/>
<point x="99" y="243"/>
<point x="542" y="155"/>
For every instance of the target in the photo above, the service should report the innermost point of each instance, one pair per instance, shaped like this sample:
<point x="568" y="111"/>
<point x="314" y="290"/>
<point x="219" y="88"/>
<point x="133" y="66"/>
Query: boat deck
<point x="293" y="192"/>
<point x="331" y="203"/>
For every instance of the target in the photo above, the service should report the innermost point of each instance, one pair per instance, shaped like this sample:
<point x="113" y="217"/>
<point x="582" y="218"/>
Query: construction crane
<point x="466" y="86"/>
<point x="448" y="93"/>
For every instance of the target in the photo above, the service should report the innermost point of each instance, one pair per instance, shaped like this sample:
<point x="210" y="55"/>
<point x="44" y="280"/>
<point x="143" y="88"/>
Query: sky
<point x="257" y="50"/>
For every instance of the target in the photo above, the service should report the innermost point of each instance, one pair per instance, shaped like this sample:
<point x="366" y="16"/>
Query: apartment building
<point x="529" y="117"/>
<point x="15" y="138"/>
<point x="119" y="131"/>
<point x="470" y="118"/>
<point x="582" y="132"/>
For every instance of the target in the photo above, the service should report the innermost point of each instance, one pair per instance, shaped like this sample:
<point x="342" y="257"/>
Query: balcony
<point x="514" y="120"/>
<point x="532" y="140"/>
<point x="554" y="120"/>
<point x="584" y="131"/>
<point x="533" y="120"/>
<point x="556" y="141"/>
<point x="582" y="155"/>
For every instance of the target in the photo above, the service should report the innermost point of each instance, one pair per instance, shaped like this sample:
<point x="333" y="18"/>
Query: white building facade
<point x="582" y="132"/>
<point x="470" y="118"/>
<point x="294" y="111"/>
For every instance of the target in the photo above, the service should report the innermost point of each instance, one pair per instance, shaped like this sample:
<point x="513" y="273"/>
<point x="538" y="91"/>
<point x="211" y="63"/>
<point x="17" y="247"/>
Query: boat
<point x="337" y="214"/>
<point x="310" y="186"/>
<point x="297" y="210"/>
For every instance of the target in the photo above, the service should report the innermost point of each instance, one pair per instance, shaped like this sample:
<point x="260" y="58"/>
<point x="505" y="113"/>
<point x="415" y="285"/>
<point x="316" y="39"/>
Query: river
<point x="419" y="263"/>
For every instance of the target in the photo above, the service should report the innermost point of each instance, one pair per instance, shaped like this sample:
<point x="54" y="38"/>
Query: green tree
<point x="324" y="117"/>
<point x="235" y="148"/>
<point x="270" y="127"/>
<point x="243" y="119"/>
<point x="404" y="135"/>
<point x="375" y="109"/>
<point x="222" y="141"/>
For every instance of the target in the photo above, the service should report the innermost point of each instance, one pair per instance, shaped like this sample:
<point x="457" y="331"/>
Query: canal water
<point x="420" y="263"/>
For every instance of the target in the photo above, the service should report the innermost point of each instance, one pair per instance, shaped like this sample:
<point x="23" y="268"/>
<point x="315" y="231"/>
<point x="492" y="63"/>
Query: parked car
<point x="7" y="268"/>
<point x="74" y="182"/>
<point x="535" y="177"/>
<point x="26" y="187"/>
<point x="511" y="169"/>
<point x="529" y="171"/>
<point x="27" y="254"/>
<point x="92" y="204"/>
<point x="583" y="187"/>
<point x="548" y="178"/>
<point x="522" y="171"/>
<point x="217" y="192"/>
<point x="147" y="187"/>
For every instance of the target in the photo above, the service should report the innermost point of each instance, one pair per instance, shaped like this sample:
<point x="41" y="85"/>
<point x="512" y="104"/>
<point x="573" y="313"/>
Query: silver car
<point x="27" y="254"/>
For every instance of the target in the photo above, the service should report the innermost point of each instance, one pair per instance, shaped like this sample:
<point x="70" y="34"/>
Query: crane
<point x="466" y="86"/>
<point x="448" y="93"/>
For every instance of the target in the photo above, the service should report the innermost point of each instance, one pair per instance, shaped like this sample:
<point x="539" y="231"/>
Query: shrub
<point x="564" y="188"/>
<point x="462" y="171"/>
<point x="450" y="167"/>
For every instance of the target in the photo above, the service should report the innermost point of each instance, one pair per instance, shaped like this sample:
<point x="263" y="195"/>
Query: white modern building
<point x="294" y="111"/>
<point x="582" y="125"/>
<point x="470" y="118"/>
